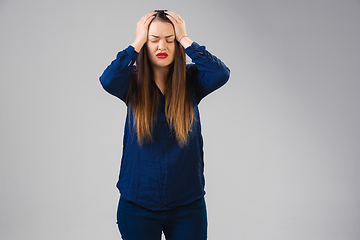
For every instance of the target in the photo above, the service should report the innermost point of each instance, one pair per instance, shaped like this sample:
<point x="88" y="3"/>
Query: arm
<point x="116" y="77"/>
<point x="210" y="72"/>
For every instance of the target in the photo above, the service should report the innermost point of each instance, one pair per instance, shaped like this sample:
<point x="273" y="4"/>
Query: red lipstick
<point x="162" y="55"/>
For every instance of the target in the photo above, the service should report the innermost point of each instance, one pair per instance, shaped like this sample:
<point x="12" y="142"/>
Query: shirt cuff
<point x="195" y="50"/>
<point x="130" y="50"/>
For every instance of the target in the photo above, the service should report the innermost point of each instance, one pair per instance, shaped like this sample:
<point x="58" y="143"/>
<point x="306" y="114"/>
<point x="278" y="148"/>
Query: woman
<point x="161" y="178"/>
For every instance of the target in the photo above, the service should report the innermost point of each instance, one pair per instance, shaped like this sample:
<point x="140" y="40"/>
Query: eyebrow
<point x="159" y="37"/>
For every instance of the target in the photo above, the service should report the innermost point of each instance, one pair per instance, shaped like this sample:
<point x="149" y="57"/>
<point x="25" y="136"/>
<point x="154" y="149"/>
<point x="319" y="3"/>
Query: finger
<point x="151" y="13"/>
<point x="172" y="19"/>
<point x="180" y="18"/>
<point x="146" y="16"/>
<point x="171" y="14"/>
<point x="175" y="16"/>
<point x="147" y="22"/>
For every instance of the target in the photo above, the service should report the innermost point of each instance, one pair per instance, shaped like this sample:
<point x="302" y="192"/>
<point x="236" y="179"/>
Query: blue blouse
<point x="161" y="175"/>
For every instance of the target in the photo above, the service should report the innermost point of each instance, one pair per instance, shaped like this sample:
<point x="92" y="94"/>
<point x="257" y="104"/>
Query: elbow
<point x="108" y="76"/>
<point x="106" y="80"/>
<point x="108" y="85"/>
<point x="103" y="83"/>
<point x="224" y="75"/>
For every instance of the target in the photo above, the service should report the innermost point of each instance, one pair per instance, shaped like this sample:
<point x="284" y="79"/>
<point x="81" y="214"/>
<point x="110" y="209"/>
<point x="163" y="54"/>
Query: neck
<point x="160" y="77"/>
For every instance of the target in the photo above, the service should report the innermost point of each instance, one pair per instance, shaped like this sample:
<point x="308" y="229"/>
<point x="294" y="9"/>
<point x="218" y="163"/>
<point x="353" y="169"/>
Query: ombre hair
<point x="143" y="95"/>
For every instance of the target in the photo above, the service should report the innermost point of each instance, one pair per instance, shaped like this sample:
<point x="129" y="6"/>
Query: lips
<point x="162" y="55"/>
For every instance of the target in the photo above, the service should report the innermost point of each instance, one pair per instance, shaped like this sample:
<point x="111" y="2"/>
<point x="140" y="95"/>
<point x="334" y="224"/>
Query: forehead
<point x="161" y="29"/>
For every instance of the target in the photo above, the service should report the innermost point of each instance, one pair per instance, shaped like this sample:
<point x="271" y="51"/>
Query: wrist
<point x="185" y="41"/>
<point x="138" y="44"/>
<point x="182" y="37"/>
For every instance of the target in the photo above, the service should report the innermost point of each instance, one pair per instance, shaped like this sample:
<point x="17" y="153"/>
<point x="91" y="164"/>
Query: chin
<point x="162" y="63"/>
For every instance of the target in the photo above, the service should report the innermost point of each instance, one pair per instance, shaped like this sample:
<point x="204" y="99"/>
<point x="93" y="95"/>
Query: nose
<point x="162" y="45"/>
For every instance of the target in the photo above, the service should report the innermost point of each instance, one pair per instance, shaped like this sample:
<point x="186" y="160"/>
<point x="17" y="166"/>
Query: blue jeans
<point x="188" y="222"/>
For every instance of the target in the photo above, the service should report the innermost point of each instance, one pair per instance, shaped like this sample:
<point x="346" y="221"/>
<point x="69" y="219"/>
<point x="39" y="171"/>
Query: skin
<point x="145" y="33"/>
<point x="161" y="39"/>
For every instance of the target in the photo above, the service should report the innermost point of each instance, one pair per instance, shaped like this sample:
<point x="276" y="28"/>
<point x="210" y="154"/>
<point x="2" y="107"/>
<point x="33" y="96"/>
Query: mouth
<point x="162" y="55"/>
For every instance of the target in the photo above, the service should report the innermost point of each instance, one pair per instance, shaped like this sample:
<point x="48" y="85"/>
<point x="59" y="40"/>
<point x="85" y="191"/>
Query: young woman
<point x="161" y="178"/>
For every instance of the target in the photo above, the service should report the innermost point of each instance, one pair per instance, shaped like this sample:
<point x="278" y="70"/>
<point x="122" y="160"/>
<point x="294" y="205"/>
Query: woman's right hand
<point x="142" y="31"/>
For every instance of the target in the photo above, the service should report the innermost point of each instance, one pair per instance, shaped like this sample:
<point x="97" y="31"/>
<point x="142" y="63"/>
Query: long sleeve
<point x="208" y="73"/>
<point x="116" y="77"/>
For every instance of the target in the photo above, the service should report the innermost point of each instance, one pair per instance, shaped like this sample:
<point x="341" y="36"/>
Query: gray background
<point x="281" y="137"/>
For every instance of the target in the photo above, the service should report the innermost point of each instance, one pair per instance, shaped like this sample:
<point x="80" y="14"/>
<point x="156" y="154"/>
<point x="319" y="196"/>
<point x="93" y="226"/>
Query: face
<point x="161" y="43"/>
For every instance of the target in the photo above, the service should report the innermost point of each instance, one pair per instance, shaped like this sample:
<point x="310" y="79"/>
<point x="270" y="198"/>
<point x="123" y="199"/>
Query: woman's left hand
<point x="180" y="29"/>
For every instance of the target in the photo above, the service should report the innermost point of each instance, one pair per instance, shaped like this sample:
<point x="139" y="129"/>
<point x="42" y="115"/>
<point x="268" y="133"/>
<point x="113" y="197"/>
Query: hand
<point x="180" y="29"/>
<point x="142" y="31"/>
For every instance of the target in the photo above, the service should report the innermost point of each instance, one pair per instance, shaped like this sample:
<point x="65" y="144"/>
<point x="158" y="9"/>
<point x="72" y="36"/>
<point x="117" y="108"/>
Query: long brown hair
<point x="143" y="95"/>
